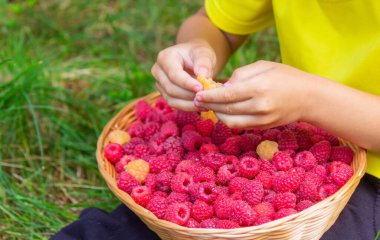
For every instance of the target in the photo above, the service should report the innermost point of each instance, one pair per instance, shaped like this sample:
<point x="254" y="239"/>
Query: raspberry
<point x="266" y="149"/>
<point x="282" y="161"/>
<point x="173" y="145"/>
<point x="262" y="220"/>
<point x="176" y="197"/>
<point x="184" y="118"/>
<point x="242" y="213"/>
<point x="297" y="171"/>
<point x="305" y="159"/>
<point x="141" y="195"/>
<point x="136" y="130"/>
<point x="129" y="147"/>
<point x="313" y="178"/>
<point x="169" y="129"/>
<point x="162" y="106"/>
<point x="231" y="146"/>
<point x="180" y="182"/>
<point x="222" y="207"/>
<point x="342" y="174"/>
<point x="208" y="83"/>
<point x="142" y="109"/>
<point x="222" y="190"/>
<point x="126" y="182"/>
<point x="193" y="191"/>
<point x="342" y="153"/>
<point x="327" y="190"/>
<point x="226" y="173"/>
<point x="227" y="224"/>
<point x="284" y="212"/>
<point x="171" y="116"/>
<point x="113" y="152"/>
<point x="188" y="127"/>
<point x="321" y="171"/>
<point x="331" y="138"/>
<point x="173" y="159"/>
<point x="207" y="148"/>
<point x="186" y="166"/>
<point x="269" y="195"/>
<point x="285" y="182"/>
<point x="303" y="140"/>
<point x="207" y="140"/>
<point x="266" y="165"/>
<point x="157" y="205"/>
<point x="271" y="134"/>
<point x="191" y="140"/>
<point x="321" y="151"/>
<point x="201" y="210"/>
<point x="316" y="138"/>
<point x="151" y="181"/>
<point x="264" y="209"/>
<point x="209" y="223"/>
<point x="204" y="174"/>
<point x="333" y="166"/>
<point x="139" y="169"/>
<point x="178" y="213"/>
<point x="284" y="200"/>
<point x="308" y="191"/>
<point x="120" y="165"/>
<point x="265" y="178"/>
<point x="159" y="164"/>
<point x="237" y="183"/>
<point x="160" y="194"/>
<point x="249" y="142"/>
<point x="119" y="136"/>
<point x="155" y="145"/>
<point x="253" y="192"/>
<point x="209" y="115"/>
<point x="287" y="141"/>
<point x="192" y="223"/>
<point x="207" y="192"/>
<point x="249" y="167"/>
<point x="214" y="160"/>
<point x="306" y="126"/>
<point x="303" y="205"/>
<point x="141" y="151"/>
<point x="231" y="160"/>
<point x="237" y="196"/>
<point x="150" y="129"/>
<point x="249" y="154"/>
<point x="221" y="133"/>
<point x="153" y="116"/>
<point x="205" y="127"/>
<point x="163" y="181"/>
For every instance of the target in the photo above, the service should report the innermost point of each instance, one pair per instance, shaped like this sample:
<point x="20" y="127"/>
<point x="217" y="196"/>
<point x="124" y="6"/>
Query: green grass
<point x="66" y="67"/>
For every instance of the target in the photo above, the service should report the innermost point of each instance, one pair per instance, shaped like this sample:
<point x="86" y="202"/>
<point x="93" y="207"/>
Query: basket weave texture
<point x="308" y="224"/>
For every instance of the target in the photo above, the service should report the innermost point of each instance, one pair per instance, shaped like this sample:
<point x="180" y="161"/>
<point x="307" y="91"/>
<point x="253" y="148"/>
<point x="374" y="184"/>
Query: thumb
<point x="203" y="61"/>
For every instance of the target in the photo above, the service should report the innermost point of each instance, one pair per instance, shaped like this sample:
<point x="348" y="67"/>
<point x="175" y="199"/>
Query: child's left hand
<point x="261" y="95"/>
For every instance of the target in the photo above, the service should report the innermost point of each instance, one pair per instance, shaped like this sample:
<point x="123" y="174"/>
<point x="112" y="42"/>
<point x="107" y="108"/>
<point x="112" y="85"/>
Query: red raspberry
<point x="321" y="171"/>
<point x="342" y="174"/>
<point x="249" y="142"/>
<point x="207" y="148"/>
<point x="242" y="213"/>
<point x="266" y="165"/>
<point x="308" y="191"/>
<point x="150" y="129"/>
<point x="209" y="223"/>
<point x="327" y="190"/>
<point x="141" y="195"/>
<point x="342" y="153"/>
<point x="173" y="145"/>
<point x="188" y="127"/>
<point x="191" y="140"/>
<point x="226" y="173"/>
<point x="163" y="181"/>
<point x="222" y="206"/>
<point x="207" y="192"/>
<point x="306" y="126"/>
<point x="269" y="195"/>
<point x="321" y="151"/>
<point x="141" y="151"/>
<point x="151" y="181"/>
<point x="136" y="130"/>
<point x="155" y="145"/>
<point x="176" y="197"/>
<point x="160" y="194"/>
<point x="153" y="116"/>
<point x="162" y="106"/>
<point x="193" y="156"/>
<point x="237" y="196"/>
<point x="282" y="161"/>
<point x="303" y="205"/>
<point x="303" y="140"/>
<point x="222" y="190"/>
<point x="231" y="146"/>
<point x="158" y="206"/>
<point x="313" y="178"/>
<point x="285" y="182"/>
<point x="265" y="178"/>
<point x="201" y="210"/>
<point x="249" y="154"/>
<point x="227" y="224"/>
<point x="270" y="134"/>
<point x="184" y="118"/>
<point x="178" y="213"/>
<point x="119" y="166"/>
<point x="126" y="182"/>
<point x="331" y="138"/>
<point x="333" y="166"/>
<point x="205" y="127"/>
<point x="284" y="200"/>
<point x="207" y="140"/>
<point x="171" y="116"/>
<point x="237" y="131"/>
<point x="142" y="109"/>
<point x="264" y="209"/>
<point x="232" y="160"/>
<point x="193" y="191"/>
<point x="169" y="129"/>
<point x="249" y="167"/>
<point x="316" y="138"/>
<point x="159" y="164"/>
<point x="173" y="159"/>
<point x="236" y="184"/>
<point x="253" y="192"/>
<point x="214" y="160"/>
<point x="129" y="147"/>
<point x="287" y="141"/>
<point x="284" y="212"/>
<point x="180" y="182"/>
<point x="192" y="223"/>
<point x="113" y="152"/>
<point x="305" y="159"/>
<point x="204" y="174"/>
<point x="298" y="171"/>
<point x="262" y="220"/>
<point x="221" y="133"/>
<point x="187" y="166"/>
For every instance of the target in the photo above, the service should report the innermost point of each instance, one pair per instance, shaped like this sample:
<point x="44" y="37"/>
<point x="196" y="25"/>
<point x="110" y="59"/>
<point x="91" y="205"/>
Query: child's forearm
<point x="346" y="112"/>
<point x="199" y="26"/>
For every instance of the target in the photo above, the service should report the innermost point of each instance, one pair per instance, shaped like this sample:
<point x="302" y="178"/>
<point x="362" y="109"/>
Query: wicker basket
<point x="308" y="224"/>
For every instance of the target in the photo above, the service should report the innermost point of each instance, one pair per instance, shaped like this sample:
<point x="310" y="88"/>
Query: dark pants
<point x="360" y="219"/>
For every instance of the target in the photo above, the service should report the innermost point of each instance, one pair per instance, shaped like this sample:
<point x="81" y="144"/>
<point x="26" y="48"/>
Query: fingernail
<point x="202" y="71"/>
<point x="197" y="88"/>
<point x="198" y="98"/>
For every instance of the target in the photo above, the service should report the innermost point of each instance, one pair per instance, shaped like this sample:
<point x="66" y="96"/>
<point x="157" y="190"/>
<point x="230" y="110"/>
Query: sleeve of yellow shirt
<point x="240" y="17"/>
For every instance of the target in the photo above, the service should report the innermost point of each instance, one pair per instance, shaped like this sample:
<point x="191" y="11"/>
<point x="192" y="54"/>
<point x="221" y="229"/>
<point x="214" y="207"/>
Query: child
<point x="329" y="77"/>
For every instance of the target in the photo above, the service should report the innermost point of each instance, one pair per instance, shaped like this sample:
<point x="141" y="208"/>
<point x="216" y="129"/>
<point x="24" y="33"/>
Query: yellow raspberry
<point x="266" y="149"/>
<point x="208" y="84"/>
<point x="139" y="169"/>
<point x="119" y="137"/>
<point x="209" y="115"/>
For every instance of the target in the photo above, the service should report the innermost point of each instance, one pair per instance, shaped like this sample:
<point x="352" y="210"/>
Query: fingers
<point x="250" y="71"/>
<point x="227" y="94"/>
<point x="204" y="60"/>
<point x="246" y="121"/>
<point x="236" y="108"/>
<point x="178" y="103"/>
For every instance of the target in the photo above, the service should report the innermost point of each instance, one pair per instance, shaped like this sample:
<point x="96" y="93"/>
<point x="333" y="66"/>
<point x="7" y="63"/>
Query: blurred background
<point x="66" y="67"/>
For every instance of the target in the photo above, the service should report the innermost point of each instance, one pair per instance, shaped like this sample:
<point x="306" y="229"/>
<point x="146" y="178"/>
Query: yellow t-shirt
<point x="336" y="39"/>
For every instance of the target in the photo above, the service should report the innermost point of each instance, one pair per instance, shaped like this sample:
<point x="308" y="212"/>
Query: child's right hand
<point x="175" y="72"/>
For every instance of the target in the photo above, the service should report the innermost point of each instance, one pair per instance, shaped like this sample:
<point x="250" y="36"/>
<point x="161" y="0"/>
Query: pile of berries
<point x="189" y="170"/>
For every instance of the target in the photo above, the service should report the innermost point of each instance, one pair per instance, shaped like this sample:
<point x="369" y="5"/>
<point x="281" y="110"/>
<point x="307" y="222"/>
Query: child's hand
<point x="176" y="68"/>
<point x="260" y="95"/>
